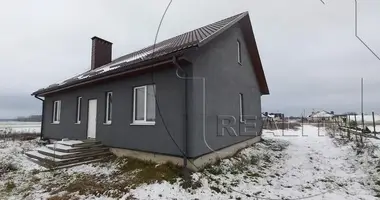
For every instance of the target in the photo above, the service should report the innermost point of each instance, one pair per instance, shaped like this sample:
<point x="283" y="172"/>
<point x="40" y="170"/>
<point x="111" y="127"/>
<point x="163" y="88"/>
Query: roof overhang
<point x="140" y="67"/>
<point x="253" y="51"/>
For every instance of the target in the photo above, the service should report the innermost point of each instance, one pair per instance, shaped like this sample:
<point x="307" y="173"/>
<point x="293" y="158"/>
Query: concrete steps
<point x="65" y="148"/>
<point x="68" y="153"/>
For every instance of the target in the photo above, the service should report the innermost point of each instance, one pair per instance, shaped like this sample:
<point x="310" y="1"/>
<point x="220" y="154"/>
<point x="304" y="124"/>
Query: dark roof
<point x="197" y="37"/>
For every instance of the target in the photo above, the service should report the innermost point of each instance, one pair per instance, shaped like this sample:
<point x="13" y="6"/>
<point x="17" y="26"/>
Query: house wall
<point x="120" y="134"/>
<point x="224" y="79"/>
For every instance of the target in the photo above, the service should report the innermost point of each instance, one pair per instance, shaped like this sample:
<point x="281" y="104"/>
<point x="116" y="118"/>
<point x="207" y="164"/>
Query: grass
<point x="149" y="172"/>
<point x="9" y="186"/>
<point x="6" y="168"/>
<point x="21" y="136"/>
<point x="254" y="160"/>
<point x="131" y="174"/>
<point x="216" y="189"/>
<point x="215" y="170"/>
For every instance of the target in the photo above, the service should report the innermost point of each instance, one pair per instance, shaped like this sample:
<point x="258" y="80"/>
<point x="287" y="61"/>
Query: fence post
<point x="348" y="128"/>
<point x="374" y="123"/>
<point x="318" y="127"/>
<point x="288" y="123"/>
<point x="361" y="136"/>
<point x="356" y="135"/>
<point x="283" y="124"/>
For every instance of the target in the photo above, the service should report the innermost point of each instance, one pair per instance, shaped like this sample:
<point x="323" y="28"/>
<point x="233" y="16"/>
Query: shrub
<point x="353" y="124"/>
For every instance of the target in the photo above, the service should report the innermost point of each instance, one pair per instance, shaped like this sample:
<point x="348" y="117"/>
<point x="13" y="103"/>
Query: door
<point x="91" y="126"/>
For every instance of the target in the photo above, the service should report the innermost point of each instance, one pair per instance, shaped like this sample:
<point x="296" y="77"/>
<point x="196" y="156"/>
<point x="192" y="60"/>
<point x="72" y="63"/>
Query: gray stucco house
<point x="169" y="101"/>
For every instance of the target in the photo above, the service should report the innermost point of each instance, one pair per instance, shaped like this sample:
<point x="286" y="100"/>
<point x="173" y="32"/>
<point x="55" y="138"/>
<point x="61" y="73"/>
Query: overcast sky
<point x="310" y="55"/>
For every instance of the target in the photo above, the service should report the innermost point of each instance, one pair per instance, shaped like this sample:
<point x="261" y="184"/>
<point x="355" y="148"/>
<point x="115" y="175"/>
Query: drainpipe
<point x="42" y="116"/>
<point x="186" y="125"/>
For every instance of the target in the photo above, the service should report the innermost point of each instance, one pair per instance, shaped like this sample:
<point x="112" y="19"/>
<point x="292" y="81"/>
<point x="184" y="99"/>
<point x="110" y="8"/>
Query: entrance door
<point x="91" y="126"/>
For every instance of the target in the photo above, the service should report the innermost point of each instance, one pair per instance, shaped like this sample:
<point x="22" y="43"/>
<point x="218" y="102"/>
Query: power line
<point x="356" y="31"/>
<point x="152" y="76"/>
<point x="172" y="138"/>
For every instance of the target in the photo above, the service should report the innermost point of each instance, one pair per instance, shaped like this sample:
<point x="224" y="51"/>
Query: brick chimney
<point x="101" y="52"/>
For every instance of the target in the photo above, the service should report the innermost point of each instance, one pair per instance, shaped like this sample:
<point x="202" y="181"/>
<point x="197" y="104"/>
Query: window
<point x="79" y="106"/>
<point x="108" y="118"/>
<point x="238" y="52"/>
<point x="144" y="105"/>
<point x="56" y="112"/>
<point x="241" y="107"/>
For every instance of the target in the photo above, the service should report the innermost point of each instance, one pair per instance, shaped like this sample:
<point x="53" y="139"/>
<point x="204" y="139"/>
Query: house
<point x="277" y="116"/>
<point x="169" y="101"/>
<point x="321" y="116"/>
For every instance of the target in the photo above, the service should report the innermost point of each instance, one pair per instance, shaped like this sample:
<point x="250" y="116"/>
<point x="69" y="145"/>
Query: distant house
<point x="165" y="101"/>
<point x="277" y="116"/>
<point x="321" y="116"/>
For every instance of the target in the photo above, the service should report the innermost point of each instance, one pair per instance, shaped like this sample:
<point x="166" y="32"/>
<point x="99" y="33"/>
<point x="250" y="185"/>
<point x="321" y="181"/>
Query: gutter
<point x="186" y="126"/>
<point x="42" y="116"/>
<point x="141" y="66"/>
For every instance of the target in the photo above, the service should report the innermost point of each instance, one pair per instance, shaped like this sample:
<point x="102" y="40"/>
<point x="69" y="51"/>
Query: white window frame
<point x="56" y="112"/>
<point x="238" y="51"/>
<point x="108" y="118"/>
<point x="142" y="122"/>
<point x="79" y="107"/>
<point x="241" y="108"/>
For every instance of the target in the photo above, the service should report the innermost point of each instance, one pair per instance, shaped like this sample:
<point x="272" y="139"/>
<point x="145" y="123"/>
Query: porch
<point x="68" y="153"/>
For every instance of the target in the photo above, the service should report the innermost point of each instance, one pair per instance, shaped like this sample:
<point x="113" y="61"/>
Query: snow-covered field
<point x="295" y="165"/>
<point x="20" y="127"/>
<point x="368" y="119"/>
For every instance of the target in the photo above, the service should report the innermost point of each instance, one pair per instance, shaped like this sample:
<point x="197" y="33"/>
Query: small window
<point x="78" y="113"/>
<point x="108" y="118"/>
<point x="56" y="112"/>
<point x="144" y="104"/>
<point x="241" y="107"/>
<point x="238" y="52"/>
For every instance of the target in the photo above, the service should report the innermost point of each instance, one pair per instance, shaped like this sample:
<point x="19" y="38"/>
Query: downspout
<point x="186" y="124"/>
<point x="42" y="116"/>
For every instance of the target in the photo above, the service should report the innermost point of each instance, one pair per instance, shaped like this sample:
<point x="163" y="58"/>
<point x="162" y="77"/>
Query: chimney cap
<point x="103" y="40"/>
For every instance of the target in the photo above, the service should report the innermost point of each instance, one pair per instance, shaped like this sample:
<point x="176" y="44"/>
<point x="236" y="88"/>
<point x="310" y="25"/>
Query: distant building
<point x="276" y="116"/>
<point x="321" y="116"/>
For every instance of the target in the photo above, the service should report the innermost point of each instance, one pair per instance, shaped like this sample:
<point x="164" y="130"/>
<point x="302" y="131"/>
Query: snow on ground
<point x="371" y="128"/>
<point x="22" y="179"/>
<point x="11" y="152"/>
<point x="310" y="167"/>
<point x="367" y="118"/>
<point x="20" y="127"/>
<point x="309" y="164"/>
<point x="92" y="169"/>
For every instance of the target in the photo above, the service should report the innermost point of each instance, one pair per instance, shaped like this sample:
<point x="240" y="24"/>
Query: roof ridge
<point x="187" y="32"/>
<point x="226" y="25"/>
<point x="178" y="43"/>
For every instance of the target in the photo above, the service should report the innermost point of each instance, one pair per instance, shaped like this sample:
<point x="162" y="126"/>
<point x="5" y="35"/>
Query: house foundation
<point x="194" y="164"/>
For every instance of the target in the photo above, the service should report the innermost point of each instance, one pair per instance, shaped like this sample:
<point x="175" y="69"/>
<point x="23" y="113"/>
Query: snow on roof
<point x="321" y="114"/>
<point x="177" y="43"/>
